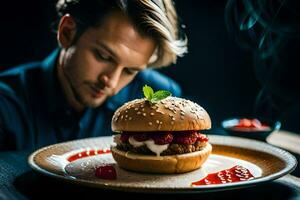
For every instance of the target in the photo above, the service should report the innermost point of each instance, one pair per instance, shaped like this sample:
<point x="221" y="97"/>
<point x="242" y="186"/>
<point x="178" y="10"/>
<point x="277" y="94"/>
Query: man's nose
<point x="111" y="78"/>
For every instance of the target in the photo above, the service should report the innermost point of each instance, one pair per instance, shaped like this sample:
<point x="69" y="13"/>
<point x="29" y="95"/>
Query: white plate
<point x="264" y="161"/>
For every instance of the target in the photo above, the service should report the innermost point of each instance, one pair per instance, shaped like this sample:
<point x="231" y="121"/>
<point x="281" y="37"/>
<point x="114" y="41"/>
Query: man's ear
<point x="66" y="31"/>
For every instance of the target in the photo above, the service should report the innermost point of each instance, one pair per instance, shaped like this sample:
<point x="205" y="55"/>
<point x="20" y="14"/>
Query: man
<point x="104" y="50"/>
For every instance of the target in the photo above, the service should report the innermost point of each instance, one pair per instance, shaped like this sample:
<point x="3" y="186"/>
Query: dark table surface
<point x="19" y="181"/>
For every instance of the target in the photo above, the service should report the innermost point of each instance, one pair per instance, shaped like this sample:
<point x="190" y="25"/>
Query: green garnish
<point x="154" y="97"/>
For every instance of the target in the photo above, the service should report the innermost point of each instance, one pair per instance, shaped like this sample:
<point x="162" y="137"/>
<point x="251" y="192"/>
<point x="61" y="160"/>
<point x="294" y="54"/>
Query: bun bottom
<point x="161" y="164"/>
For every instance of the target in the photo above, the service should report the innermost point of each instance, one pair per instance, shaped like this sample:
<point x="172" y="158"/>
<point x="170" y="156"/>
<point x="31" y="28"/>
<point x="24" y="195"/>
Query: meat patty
<point x="172" y="149"/>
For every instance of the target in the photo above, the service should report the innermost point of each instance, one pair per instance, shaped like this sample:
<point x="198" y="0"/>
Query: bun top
<point x="169" y="114"/>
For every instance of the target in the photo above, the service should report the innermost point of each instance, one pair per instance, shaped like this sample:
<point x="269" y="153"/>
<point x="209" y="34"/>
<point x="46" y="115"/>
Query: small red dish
<point x="252" y="128"/>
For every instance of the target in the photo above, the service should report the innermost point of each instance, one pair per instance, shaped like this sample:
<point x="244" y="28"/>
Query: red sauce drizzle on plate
<point x="87" y="153"/>
<point x="234" y="174"/>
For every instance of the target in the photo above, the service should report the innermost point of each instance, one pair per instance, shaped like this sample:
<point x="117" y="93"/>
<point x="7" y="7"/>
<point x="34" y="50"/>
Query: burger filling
<point x="164" y="143"/>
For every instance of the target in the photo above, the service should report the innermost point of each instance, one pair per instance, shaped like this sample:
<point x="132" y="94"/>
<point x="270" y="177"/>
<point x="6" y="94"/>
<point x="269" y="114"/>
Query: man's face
<point x="103" y="60"/>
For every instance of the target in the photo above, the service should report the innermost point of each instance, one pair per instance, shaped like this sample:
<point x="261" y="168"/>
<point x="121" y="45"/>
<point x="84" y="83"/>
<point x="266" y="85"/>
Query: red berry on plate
<point x="106" y="172"/>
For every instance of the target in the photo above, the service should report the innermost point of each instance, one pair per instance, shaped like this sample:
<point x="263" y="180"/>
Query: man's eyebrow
<point x="110" y="51"/>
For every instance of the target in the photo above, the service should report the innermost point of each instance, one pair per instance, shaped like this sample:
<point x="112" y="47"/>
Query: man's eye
<point x="130" y="71"/>
<point x="102" y="56"/>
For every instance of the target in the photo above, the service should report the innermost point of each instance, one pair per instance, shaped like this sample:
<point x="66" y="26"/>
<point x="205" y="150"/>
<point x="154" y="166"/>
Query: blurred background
<point x="219" y="73"/>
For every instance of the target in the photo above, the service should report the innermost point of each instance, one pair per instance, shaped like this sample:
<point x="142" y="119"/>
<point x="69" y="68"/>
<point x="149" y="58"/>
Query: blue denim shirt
<point x="34" y="112"/>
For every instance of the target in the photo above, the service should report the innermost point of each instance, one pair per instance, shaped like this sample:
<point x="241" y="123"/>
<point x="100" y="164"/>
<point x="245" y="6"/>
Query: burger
<point x="161" y="136"/>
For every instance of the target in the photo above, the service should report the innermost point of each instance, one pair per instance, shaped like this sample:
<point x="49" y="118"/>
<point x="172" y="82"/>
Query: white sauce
<point x="155" y="148"/>
<point x="135" y="143"/>
<point x="117" y="139"/>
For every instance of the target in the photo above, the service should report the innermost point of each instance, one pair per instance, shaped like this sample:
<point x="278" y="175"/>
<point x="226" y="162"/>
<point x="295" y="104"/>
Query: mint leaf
<point x="159" y="95"/>
<point x="148" y="92"/>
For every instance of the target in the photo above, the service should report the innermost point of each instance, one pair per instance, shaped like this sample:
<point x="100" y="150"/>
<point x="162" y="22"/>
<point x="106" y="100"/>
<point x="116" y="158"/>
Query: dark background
<point x="216" y="73"/>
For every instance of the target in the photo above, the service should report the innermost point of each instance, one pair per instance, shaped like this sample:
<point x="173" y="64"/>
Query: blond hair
<point x="165" y="22"/>
<point x="154" y="18"/>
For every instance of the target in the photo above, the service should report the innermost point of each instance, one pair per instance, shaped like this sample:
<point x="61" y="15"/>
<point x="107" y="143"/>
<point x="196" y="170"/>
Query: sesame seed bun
<point x="161" y="164"/>
<point x="170" y="114"/>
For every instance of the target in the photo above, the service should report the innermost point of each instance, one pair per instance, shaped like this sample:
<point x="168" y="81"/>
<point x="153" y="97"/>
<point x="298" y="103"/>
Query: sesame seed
<point x="136" y="109"/>
<point x="138" y="113"/>
<point x="152" y="113"/>
<point x="144" y="114"/>
<point x="157" y="121"/>
<point x="130" y="118"/>
<point x="160" y="112"/>
<point x="150" y="123"/>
